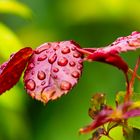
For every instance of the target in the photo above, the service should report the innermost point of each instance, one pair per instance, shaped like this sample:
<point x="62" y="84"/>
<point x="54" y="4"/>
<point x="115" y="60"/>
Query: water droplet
<point x="62" y="61"/>
<point x="75" y="74"/>
<point x="73" y="48"/>
<point x="56" y="47"/>
<point x="52" y="59"/>
<point x="79" y="67"/>
<point x="30" y="84"/>
<point x="55" y="69"/>
<point x="41" y="75"/>
<point x="76" y="54"/>
<point x="41" y="58"/>
<point x="65" y="50"/>
<point x="72" y="63"/>
<point x="80" y="61"/>
<point x="31" y="65"/>
<point x="42" y="48"/>
<point x="43" y="83"/>
<point x="65" y="85"/>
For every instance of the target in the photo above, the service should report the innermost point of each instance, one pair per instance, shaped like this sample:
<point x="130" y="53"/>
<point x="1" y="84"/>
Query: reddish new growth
<point x="54" y="68"/>
<point x="11" y="70"/>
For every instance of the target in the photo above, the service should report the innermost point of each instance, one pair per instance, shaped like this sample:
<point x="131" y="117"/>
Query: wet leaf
<point x="124" y="44"/>
<point x="53" y="70"/>
<point x="110" y="54"/>
<point x="11" y="70"/>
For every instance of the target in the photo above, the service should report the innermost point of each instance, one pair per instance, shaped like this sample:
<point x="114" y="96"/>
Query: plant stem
<point x="129" y="87"/>
<point x="131" y="72"/>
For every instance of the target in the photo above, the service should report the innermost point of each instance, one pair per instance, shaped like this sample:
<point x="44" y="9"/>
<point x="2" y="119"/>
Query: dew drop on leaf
<point x="62" y="61"/>
<point x="30" y="84"/>
<point x="57" y="74"/>
<point x="41" y="75"/>
<point x="65" y="85"/>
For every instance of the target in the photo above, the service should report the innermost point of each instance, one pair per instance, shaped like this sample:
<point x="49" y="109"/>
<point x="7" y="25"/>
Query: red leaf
<point x="53" y="70"/>
<point x="11" y="70"/>
<point x="109" y="58"/>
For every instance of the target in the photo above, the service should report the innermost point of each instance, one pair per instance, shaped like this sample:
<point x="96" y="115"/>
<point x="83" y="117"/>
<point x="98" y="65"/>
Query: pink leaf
<point x="11" y="70"/>
<point x="110" y="54"/>
<point x="53" y="70"/>
<point x="124" y="44"/>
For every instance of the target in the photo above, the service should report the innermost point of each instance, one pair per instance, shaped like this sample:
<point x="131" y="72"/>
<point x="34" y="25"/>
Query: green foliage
<point x="134" y="122"/>
<point x="15" y="7"/>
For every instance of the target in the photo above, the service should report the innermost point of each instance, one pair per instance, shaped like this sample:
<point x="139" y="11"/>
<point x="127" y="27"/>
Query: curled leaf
<point x="53" y="70"/>
<point x="11" y="70"/>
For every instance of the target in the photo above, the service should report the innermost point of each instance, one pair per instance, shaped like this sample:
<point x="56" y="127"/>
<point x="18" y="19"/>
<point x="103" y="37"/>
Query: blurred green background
<point x="91" y="23"/>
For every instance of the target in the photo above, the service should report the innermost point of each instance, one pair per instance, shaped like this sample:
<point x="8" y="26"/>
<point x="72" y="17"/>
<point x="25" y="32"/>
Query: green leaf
<point x="14" y="7"/>
<point x="120" y="97"/>
<point x="9" y="43"/>
<point x="134" y="122"/>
